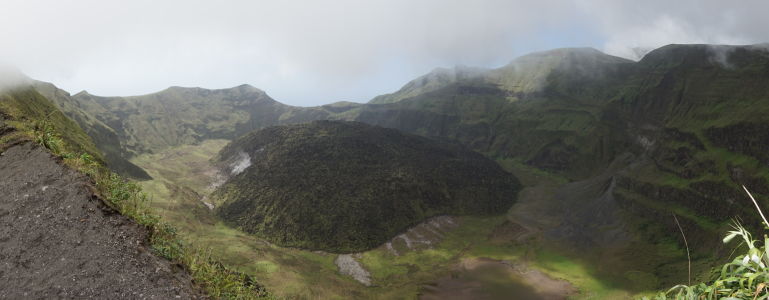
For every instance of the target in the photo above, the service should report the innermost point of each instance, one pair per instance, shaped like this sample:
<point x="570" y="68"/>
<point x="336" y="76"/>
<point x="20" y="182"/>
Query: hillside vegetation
<point x="106" y="139"/>
<point x="96" y="227"/>
<point x="677" y="132"/>
<point x="25" y="110"/>
<point x="347" y="186"/>
<point x="180" y="116"/>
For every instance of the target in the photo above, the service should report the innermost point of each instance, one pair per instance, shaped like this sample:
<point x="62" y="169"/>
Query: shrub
<point x="46" y="136"/>
<point x="745" y="277"/>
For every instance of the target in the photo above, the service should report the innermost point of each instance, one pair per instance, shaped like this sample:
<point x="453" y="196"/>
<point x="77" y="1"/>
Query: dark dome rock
<point x="347" y="186"/>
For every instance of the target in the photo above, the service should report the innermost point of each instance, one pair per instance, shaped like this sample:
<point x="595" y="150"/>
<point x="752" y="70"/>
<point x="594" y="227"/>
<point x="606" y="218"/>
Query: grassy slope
<point x="706" y="121"/>
<point x="557" y="125"/>
<point x="434" y="80"/>
<point x="682" y="88"/>
<point x="599" y="273"/>
<point x="288" y="272"/>
<point x="27" y="116"/>
<point x="27" y="110"/>
<point x="525" y="75"/>
<point x="105" y="138"/>
<point x="182" y="116"/>
<point x="576" y="125"/>
<point x="293" y="273"/>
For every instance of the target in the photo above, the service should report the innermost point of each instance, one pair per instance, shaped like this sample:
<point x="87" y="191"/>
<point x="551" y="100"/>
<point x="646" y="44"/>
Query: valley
<point x="589" y="212"/>
<point x="407" y="150"/>
<point x="295" y="273"/>
<point x="561" y="175"/>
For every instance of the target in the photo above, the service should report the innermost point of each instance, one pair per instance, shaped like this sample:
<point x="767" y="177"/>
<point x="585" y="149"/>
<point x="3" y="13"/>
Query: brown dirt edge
<point x="58" y="239"/>
<point x="490" y="279"/>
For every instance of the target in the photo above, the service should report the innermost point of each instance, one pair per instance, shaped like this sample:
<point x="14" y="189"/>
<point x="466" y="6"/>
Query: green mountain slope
<point x="528" y="74"/>
<point x="557" y="125"/>
<point x="179" y="116"/>
<point x="106" y="139"/>
<point x="697" y="111"/>
<point x="29" y="114"/>
<point x="690" y="117"/>
<point x="434" y="80"/>
<point x="346" y="186"/>
<point x="677" y="132"/>
<point x="95" y="224"/>
<point x="123" y="127"/>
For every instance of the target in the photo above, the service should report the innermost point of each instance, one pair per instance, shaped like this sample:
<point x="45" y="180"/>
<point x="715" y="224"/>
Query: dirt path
<point x="58" y="241"/>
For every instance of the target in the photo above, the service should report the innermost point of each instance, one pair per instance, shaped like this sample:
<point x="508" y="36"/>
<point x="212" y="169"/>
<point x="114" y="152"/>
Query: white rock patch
<point x="406" y="239"/>
<point x="349" y="266"/>
<point x="243" y="162"/>
<point x="392" y="250"/>
<point x="209" y="205"/>
<point x="428" y="233"/>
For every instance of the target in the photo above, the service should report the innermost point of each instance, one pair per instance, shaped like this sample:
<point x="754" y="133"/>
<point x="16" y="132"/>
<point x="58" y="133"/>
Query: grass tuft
<point x="745" y="277"/>
<point x="130" y="200"/>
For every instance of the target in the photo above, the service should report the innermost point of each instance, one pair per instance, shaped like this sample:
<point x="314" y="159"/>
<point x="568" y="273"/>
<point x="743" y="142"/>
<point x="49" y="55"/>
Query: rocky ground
<point x="58" y="240"/>
<point x="350" y="267"/>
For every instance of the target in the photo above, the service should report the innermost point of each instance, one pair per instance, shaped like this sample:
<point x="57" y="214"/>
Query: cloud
<point x="316" y="52"/>
<point x="303" y="52"/>
<point x="631" y="25"/>
<point x="10" y="77"/>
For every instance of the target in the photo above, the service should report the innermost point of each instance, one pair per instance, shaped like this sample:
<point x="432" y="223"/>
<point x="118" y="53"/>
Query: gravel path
<point x="57" y="240"/>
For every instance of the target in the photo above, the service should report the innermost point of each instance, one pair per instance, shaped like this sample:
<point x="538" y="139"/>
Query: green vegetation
<point x="676" y="132"/>
<point x="745" y="277"/>
<point x="554" y="124"/>
<point x="694" y="131"/>
<point x="527" y="74"/>
<point x="347" y="186"/>
<point x="105" y="138"/>
<point x="131" y="201"/>
<point x="32" y="115"/>
<point x="33" y="118"/>
<point x="183" y="116"/>
<point x="294" y="273"/>
<point x="289" y="273"/>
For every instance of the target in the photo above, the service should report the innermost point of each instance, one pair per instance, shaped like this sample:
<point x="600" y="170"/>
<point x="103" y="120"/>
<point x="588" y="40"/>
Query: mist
<point x="11" y="77"/>
<point x="316" y="52"/>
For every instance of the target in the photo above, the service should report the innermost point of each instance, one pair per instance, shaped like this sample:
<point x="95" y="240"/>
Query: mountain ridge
<point x="523" y="75"/>
<point x="689" y="119"/>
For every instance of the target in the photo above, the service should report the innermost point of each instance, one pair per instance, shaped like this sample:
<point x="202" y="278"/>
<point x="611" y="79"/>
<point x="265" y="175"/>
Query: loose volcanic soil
<point x="488" y="279"/>
<point x="58" y="240"/>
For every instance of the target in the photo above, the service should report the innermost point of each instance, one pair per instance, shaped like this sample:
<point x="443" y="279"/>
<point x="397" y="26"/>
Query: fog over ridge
<point x="317" y="52"/>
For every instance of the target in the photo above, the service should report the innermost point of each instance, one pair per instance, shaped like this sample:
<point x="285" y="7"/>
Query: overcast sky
<point x="317" y="52"/>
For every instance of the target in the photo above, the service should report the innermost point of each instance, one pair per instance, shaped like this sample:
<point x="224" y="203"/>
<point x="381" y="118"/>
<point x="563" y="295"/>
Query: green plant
<point x="127" y="197"/>
<point x="745" y="277"/>
<point x="46" y="136"/>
